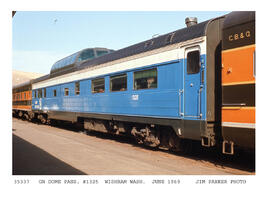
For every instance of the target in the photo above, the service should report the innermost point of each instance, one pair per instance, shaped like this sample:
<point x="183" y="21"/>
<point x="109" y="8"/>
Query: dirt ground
<point x="46" y="150"/>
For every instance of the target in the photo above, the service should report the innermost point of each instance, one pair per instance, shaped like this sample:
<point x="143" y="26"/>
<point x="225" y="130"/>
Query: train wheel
<point x="20" y="114"/>
<point x="42" y="119"/>
<point x="177" y="144"/>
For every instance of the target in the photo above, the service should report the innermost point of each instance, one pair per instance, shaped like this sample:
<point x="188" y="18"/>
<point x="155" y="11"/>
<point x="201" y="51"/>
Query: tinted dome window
<point x="65" y="62"/>
<point x="87" y="54"/>
<point x="100" y="53"/>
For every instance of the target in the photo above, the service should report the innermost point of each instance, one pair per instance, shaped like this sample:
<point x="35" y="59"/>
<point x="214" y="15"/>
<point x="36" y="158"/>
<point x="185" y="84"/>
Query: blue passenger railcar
<point x="161" y="91"/>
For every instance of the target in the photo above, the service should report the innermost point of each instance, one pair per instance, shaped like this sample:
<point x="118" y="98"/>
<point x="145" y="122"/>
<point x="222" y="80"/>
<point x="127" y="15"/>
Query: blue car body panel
<point x="173" y="97"/>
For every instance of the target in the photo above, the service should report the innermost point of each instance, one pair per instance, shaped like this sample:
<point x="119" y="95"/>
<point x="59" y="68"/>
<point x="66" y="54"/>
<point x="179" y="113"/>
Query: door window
<point x="193" y="62"/>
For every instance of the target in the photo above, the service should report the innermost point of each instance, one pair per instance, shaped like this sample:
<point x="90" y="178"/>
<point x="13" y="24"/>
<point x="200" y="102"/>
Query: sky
<point x="39" y="39"/>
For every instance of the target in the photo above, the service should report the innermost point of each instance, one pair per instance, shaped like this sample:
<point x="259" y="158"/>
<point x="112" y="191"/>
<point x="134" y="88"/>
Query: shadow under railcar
<point x="28" y="159"/>
<point x="242" y="160"/>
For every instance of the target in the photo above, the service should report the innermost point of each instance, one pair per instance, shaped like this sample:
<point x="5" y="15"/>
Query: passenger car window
<point x="193" y="62"/>
<point x="118" y="82"/>
<point x="39" y="93"/>
<point x="44" y="92"/>
<point x="98" y="85"/>
<point x="54" y="93"/>
<point x="66" y="91"/>
<point x="77" y="88"/>
<point x="146" y="79"/>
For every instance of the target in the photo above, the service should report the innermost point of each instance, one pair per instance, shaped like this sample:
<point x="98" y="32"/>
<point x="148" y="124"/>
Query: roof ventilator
<point x="191" y="21"/>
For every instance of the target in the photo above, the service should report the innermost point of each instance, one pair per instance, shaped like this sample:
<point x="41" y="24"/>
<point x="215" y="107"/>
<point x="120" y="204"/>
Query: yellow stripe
<point x="241" y="125"/>
<point x="238" y="107"/>
<point x="238" y="83"/>
<point x="238" y="48"/>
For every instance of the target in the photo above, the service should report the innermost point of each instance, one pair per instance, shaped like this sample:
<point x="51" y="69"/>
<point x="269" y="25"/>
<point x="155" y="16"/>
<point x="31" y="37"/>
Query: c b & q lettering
<point x="237" y="36"/>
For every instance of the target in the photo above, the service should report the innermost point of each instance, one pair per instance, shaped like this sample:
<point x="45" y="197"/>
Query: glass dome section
<point x="71" y="61"/>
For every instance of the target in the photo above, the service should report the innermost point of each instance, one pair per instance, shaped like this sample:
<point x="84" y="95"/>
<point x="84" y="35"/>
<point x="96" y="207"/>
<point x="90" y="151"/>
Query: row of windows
<point x="38" y="93"/>
<point x="21" y="96"/>
<point x="146" y="79"/>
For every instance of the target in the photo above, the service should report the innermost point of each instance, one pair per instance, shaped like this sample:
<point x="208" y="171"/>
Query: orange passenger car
<point x="22" y="99"/>
<point x="238" y="80"/>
